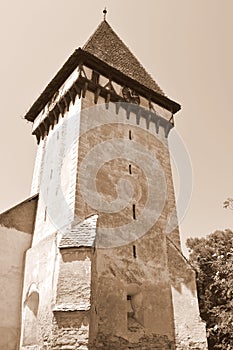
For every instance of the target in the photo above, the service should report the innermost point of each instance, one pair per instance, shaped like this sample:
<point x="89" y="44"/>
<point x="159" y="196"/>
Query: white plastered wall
<point x="55" y="174"/>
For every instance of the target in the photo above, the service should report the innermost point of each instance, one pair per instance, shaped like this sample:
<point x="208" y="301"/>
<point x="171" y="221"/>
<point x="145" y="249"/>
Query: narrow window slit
<point x="134" y="212"/>
<point x="45" y="214"/>
<point x="130" y="135"/>
<point x="130" y="311"/>
<point x="130" y="169"/>
<point x="134" y="251"/>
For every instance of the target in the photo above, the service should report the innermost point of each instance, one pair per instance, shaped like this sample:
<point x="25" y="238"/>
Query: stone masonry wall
<point x="70" y="330"/>
<point x="141" y="261"/>
<point x="113" y="342"/>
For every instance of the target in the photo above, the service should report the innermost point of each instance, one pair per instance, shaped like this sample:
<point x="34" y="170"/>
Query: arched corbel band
<point x="129" y="100"/>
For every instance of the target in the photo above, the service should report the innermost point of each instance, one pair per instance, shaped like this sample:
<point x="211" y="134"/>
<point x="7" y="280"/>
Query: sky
<point x="187" y="47"/>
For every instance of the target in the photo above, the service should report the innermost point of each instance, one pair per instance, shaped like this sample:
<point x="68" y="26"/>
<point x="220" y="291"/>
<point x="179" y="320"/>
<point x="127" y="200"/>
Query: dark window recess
<point x="130" y="169"/>
<point x="130" y="311"/>
<point x="95" y="77"/>
<point x="130" y="135"/>
<point x="45" y="214"/>
<point x="134" y="251"/>
<point x="134" y="211"/>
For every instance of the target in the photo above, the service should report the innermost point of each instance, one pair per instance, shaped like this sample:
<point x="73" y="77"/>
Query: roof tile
<point x="82" y="234"/>
<point x="108" y="47"/>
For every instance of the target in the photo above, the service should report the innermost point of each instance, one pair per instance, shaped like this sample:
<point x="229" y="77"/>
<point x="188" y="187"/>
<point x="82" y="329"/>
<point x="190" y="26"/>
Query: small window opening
<point x="45" y="214"/>
<point x="130" y="311"/>
<point x="134" y="211"/>
<point x="130" y="169"/>
<point x="130" y="135"/>
<point x="134" y="251"/>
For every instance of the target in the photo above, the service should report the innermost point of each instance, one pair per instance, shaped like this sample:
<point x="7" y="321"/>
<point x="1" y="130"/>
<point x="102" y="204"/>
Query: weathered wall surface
<point x="148" y="313"/>
<point x="58" y="318"/>
<point x="39" y="294"/>
<point x="190" y="329"/>
<point x="13" y="245"/>
<point x="74" y="280"/>
<point x="16" y="227"/>
<point x="73" y="299"/>
<point x="137" y="269"/>
<point x="135" y="263"/>
<point x="22" y="216"/>
<point x="97" y="127"/>
<point x="71" y="330"/>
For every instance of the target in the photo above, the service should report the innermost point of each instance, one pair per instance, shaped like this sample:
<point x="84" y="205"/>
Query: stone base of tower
<point x="56" y="298"/>
<point x="70" y="330"/>
<point x="152" y="342"/>
<point x="77" y="312"/>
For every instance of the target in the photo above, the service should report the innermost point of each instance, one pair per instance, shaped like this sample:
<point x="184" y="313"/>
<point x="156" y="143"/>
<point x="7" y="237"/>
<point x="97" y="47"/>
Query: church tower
<point x="105" y="270"/>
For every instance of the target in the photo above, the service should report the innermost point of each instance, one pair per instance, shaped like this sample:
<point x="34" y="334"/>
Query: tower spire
<point x="105" y="13"/>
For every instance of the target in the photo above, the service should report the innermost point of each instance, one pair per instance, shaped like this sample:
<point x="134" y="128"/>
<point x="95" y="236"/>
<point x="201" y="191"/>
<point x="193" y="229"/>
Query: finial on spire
<point x="105" y="13"/>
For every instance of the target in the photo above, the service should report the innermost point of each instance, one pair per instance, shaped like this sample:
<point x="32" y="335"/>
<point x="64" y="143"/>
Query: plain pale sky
<point x="186" y="45"/>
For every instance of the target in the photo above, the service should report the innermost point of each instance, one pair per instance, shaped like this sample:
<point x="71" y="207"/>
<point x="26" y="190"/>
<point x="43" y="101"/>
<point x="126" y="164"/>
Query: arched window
<point x="31" y="305"/>
<point x="134" y="305"/>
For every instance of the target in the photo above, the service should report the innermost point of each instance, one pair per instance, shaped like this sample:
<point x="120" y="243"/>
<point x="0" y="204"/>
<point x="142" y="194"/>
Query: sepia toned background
<point x="186" y="45"/>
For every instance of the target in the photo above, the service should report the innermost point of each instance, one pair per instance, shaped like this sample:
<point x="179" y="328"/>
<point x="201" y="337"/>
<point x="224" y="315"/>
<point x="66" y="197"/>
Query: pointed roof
<point x="106" y="45"/>
<point x="106" y="53"/>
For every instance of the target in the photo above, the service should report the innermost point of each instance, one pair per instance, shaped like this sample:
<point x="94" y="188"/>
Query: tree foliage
<point x="212" y="257"/>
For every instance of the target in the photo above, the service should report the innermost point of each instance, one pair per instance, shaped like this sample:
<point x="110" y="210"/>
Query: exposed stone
<point x="111" y="342"/>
